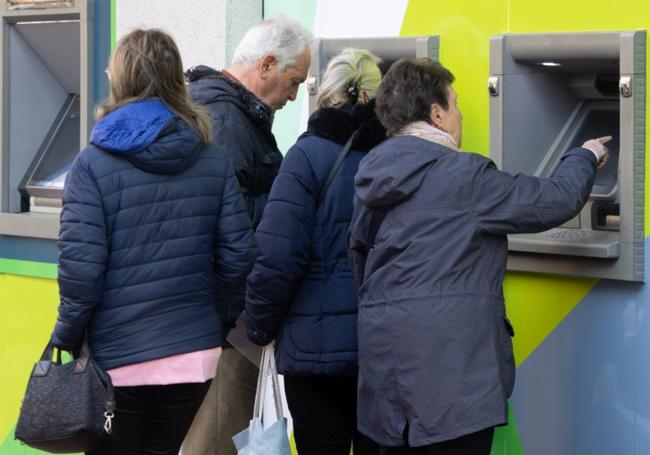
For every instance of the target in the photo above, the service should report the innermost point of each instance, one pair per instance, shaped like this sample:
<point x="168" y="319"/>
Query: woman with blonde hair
<point x="154" y="239"/>
<point x="301" y="291"/>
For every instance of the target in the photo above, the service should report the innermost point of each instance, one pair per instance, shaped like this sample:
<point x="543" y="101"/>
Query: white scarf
<point x="429" y="132"/>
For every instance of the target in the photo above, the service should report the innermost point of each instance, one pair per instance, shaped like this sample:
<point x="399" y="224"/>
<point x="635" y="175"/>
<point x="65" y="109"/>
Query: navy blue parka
<point x="435" y="350"/>
<point x="155" y="241"/>
<point x="301" y="290"/>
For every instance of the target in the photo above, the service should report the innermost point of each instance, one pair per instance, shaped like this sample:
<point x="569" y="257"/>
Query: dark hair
<point x="408" y="90"/>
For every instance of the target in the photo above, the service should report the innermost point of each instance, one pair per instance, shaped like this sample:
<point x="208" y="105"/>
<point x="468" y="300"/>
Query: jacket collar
<point x="338" y="124"/>
<point x="207" y="85"/>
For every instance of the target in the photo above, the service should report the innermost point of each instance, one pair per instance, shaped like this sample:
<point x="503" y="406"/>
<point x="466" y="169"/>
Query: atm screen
<point x="599" y="123"/>
<point x="61" y="151"/>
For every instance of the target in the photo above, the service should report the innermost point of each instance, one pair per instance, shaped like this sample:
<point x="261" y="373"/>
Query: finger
<point x="604" y="139"/>
<point x="603" y="161"/>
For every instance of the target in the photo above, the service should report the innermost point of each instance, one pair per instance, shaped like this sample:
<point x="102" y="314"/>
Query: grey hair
<point x="284" y="38"/>
<point x="351" y="68"/>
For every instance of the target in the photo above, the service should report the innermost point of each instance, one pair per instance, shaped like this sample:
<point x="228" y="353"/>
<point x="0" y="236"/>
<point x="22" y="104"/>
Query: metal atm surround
<point x="388" y="50"/>
<point x="550" y="92"/>
<point x="42" y="186"/>
<point x="56" y="47"/>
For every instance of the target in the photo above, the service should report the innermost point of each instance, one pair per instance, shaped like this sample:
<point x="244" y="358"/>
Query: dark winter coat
<point x="301" y="289"/>
<point x="435" y="351"/>
<point x="155" y="241"/>
<point x="242" y="130"/>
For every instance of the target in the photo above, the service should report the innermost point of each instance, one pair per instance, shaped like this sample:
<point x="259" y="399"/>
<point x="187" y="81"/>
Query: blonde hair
<point x="356" y="68"/>
<point x="147" y="64"/>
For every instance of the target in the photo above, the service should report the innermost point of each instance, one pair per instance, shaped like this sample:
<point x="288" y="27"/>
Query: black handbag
<point x="67" y="406"/>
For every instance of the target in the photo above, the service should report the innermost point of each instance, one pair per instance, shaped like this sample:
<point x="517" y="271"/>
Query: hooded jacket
<point x="435" y="349"/>
<point x="154" y="241"/>
<point x="242" y="131"/>
<point x="301" y="290"/>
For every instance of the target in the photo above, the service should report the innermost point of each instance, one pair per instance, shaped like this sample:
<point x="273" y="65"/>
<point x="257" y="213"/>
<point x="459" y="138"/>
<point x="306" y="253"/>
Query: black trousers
<point x="324" y="413"/>
<point x="151" y="419"/>
<point x="479" y="443"/>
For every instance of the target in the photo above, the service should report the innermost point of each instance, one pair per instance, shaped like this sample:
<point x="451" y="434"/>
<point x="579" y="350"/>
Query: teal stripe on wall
<point x="28" y="268"/>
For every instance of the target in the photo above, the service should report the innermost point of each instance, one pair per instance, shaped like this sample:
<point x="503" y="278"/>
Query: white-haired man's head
<point x="273" y="58"/>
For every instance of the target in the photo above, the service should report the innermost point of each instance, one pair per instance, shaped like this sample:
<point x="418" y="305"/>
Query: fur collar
<point x="338" y="124"/>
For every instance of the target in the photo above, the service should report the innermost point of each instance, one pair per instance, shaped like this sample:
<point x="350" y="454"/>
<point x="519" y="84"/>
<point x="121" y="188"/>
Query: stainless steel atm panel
<point x="46" y="98"/>
<point x="549" y="93"/>
<point x="389" y="50"/>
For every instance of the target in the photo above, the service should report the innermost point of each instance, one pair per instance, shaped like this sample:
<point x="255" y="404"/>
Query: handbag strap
<point x="335" y="168"/>
<point x="267" y="368"/>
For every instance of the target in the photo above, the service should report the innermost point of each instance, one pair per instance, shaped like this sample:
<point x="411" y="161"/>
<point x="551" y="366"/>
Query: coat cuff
<point x="257" y="336"/>
<point x="585" y="153"/>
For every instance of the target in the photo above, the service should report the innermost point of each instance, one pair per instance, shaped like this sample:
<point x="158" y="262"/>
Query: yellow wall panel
<point x="465" y="29"/>
<point x="537" y="303"/>
<point x="27" y="314"/>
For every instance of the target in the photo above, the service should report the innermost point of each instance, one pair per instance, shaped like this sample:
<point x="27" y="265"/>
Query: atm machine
<point x="46" y="94"/>
<point x="389" y="50"/>
<point x="549" y="93"/>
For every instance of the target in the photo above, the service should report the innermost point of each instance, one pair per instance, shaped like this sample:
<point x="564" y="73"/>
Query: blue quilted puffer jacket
<point x="155" y="242"/>
<point x="301" y="290"/>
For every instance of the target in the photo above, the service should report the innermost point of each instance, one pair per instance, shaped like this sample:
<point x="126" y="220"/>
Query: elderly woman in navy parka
<point x="428" y="246"/>
<point x="154" y="242"/>
<point x="301" y="290"/>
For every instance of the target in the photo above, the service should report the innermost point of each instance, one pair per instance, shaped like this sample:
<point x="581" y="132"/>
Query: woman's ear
<point x="435" y="116"/>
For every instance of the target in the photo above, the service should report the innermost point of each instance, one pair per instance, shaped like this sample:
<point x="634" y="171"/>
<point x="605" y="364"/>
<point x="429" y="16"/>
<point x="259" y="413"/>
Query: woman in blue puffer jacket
<point x="301" y="290"/>
<point x="154" y="243"/>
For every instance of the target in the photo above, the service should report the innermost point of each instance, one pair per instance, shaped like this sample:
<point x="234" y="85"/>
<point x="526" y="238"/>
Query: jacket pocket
<point x="508" y="360"/>
<point x="509" y="328"/>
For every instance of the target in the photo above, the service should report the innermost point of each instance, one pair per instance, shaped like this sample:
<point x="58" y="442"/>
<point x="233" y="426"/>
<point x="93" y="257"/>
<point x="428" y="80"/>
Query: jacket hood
<point x="338" y="124"/>
<point x="207" y="86"/>
<point x="150" y="136"/>
<point x="394" y="170"/>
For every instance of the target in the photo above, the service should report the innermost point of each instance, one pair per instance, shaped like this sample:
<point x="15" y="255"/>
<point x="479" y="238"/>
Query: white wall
<point x="206" y="31"/>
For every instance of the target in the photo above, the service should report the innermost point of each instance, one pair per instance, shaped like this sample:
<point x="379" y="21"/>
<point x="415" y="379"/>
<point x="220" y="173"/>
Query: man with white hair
<point x="269" y="64"/>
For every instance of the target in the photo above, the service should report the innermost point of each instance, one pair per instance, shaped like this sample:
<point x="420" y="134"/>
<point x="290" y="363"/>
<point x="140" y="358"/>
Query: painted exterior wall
<point x="206" y="31"/>
<point x="582" y="346"/>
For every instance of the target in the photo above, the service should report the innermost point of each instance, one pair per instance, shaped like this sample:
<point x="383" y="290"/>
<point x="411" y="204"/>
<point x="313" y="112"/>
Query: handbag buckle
<point x="108" y="424"/>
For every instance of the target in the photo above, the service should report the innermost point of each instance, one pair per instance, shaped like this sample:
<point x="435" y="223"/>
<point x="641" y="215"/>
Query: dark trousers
<point x="324" y="413"/>
<point x="479" y="443"/>
<point x="151" y="419"/>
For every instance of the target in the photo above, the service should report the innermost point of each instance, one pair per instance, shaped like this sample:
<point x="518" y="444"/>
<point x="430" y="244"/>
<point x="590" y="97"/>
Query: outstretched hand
<point x="598" y="147"/>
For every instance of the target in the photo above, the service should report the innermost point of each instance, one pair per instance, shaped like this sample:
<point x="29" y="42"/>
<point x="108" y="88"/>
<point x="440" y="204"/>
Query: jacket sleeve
<point x="284" y="239"/>
<point x="358" y="239"/>
<point x="507" y="204"/>
<point x="83" y="254"/>
<point x="234" y="138"/>
<point x="234" y="252"/>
